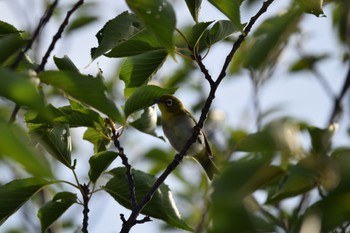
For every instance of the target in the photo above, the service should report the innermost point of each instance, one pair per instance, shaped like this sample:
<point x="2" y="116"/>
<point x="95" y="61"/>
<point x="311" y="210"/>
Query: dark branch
<point x="58" y="35"/>
<point x="337" y="101"/>
<point x="128" y="173"/>
<point x="179" y="156"/>
<point x="86" y="198"/>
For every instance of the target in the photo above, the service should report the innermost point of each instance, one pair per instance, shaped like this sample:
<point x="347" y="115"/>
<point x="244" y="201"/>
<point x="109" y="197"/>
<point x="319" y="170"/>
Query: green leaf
<point x="80" y="22"/>
<point x="99" y="163"/>
<point x="141" y="42"/>
<point x="17" y="87"/>
<point x="57" y="141"/>
<point x="159" y="18"/>
<point x="86" y="89"/>
<point x="194" y="6"/>
<point x="65" y="64"/>
<point x="144" y="97"/>
<point x="17" y="192"/>
<point x="147" y="122"/>
<point x="138" y="70"/>
<point x="9" y="45"/>
<point x="198" y="30"/>
<point x="15" y="145"/>
<point x="162" y="204"/>
<point x="220" y="30"/>
<point x="311" y="6"/>
<point x="52" y="210"/>
<point x="115" y="32"/>
<point x="231" y="9"/>
<point x="75" y="115"/>
<point x="97" y="138"/>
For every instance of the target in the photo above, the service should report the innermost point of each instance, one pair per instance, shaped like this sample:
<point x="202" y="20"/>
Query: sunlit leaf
<point x="138" y="70"/>
<point x="159" y="18"/>
<point x="144" y="97"/>
<point x="16" y="193"/>
<point x="162" y="204"/>
<point x="194" y="6"/>
<point x="52" y="210"/>
<point x="97" y="138"/>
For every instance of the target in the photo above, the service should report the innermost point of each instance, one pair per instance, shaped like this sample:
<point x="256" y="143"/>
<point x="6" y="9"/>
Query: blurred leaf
<point x="321" y="140"/>
<point x="147" y="122"/>
<point x="65" y="64"/>
<point x="140" y="43"/>
<point x="87" y="89"/>
<point x="99" y="163"/>
<point x="162" y="204"/>
<point x="144" y="97"/>
<point x="269" y="40"/>
<point x="301" y="178"/>
<point x="194" y="6"/>
<point x="311" y="6"/>
<point x="80" y="22"/>
<point x="52" y="210"/>
<point x="306" y="62"/>
<point x="230" y="8"/>
<point x="17" y="87"/>
<point x="159" y="18"/>
<point x="97" y="138"/>
<point x="237" y="181"/>
<point x="10" y="44"/>
<point x="138" y="70"/>
<point x="159" y="159"/>
<point x="15" y="145"/>
<point x="57" y="141"/>
<point x="6" y="28"/>
<point x="279" y="135"/>
<point x="16" y="193"/>
<point x="115" y="32"/>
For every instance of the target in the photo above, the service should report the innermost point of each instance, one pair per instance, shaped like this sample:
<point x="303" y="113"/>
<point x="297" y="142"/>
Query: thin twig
<point x="337" y="108"/>
<point x="58" y="35"/>
<point x="128" y="172"/>
<point x="44" y="19"/>
<point x="131" y="221"/>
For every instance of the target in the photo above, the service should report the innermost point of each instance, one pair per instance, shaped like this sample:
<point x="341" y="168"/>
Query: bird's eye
<point x="169" y="102"/>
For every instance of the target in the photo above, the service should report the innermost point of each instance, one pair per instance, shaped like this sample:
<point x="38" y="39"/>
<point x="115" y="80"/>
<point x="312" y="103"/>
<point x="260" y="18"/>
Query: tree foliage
<point x="261" y="169"/>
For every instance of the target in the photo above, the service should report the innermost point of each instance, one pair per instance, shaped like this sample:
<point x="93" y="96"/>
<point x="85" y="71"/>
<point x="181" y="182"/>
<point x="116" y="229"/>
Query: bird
<point x="178" y="124"/>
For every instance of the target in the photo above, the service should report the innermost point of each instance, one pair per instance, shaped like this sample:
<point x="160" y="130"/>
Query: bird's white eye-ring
<point x="169" y="102"/>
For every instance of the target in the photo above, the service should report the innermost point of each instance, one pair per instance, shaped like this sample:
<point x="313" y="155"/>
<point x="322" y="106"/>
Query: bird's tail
<point x="206" y="160"/>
